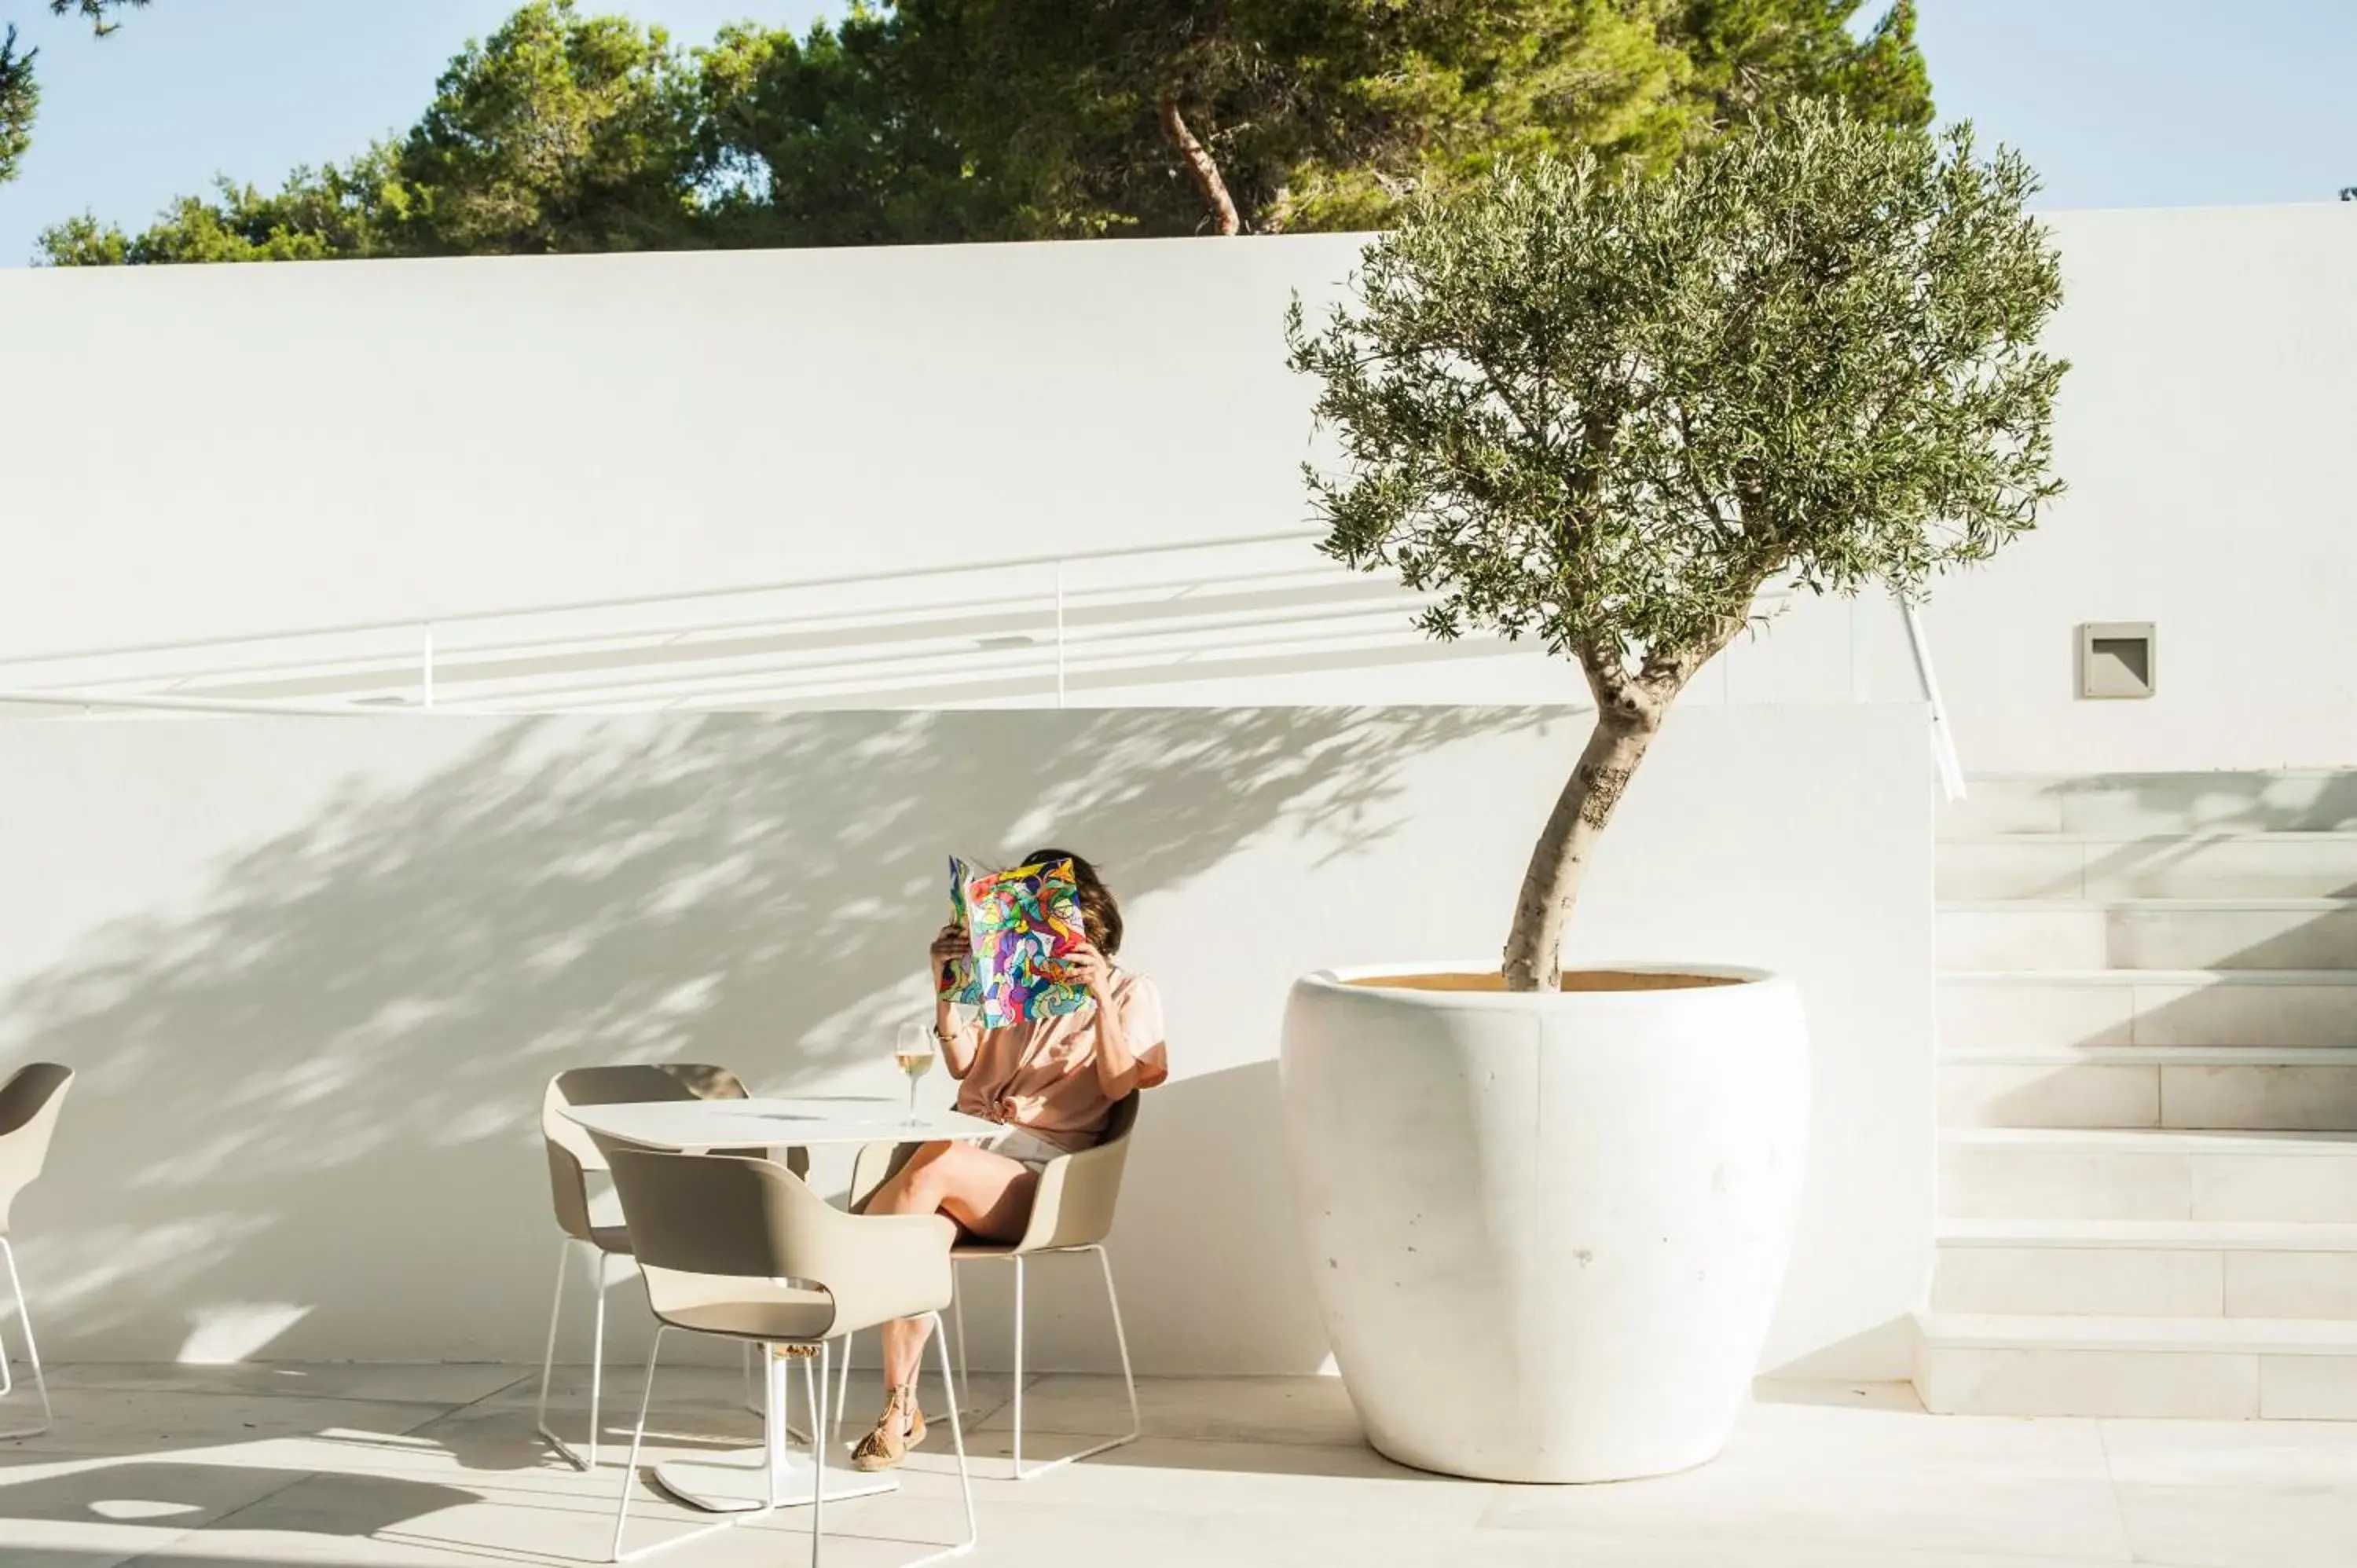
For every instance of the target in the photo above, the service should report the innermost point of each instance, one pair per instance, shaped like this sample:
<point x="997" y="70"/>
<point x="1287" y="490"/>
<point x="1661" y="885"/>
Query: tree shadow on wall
<point x="314" y="1096"/>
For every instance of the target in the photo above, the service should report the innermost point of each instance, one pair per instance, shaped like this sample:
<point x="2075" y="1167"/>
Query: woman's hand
<point x="957" y="1043"/>
<point x="1116" y="1064"/>
<point x="1093" y="969"/>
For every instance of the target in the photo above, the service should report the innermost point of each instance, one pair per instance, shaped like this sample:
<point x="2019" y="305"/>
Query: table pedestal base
<point x="719" y="1486"/>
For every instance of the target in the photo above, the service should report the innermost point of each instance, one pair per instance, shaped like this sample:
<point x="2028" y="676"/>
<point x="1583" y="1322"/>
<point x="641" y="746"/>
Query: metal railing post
<point x="1059" y="634"/>
<point x="426" y="668"/>
<point x="1944" y="741"/>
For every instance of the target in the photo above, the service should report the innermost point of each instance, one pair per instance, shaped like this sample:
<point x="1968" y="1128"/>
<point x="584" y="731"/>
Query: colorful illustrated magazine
<point x="1019" y="925"/>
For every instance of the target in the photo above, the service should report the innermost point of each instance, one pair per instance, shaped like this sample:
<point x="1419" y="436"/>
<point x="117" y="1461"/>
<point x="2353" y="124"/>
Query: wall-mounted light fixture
<point x="2118" y="658"/>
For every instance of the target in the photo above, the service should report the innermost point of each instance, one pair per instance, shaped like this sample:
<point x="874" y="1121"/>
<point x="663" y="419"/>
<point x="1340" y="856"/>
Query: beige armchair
<point x="1072" y="1211"/>
<point x="573" y="1157"/>
<point x="29" y="1103"/>
<point x="741" y="1249"/>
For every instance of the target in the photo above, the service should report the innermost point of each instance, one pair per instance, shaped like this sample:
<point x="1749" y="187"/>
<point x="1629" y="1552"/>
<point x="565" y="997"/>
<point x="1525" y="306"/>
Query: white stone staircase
<point x="2147" y="1098"/>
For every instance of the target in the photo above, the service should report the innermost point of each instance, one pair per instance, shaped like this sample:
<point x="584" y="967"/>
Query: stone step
<point x="2073" y="867"/>
<point x="2208" y="1088"/>
<point x="2017" y="1173"/>
<point x="2146" y="1268"/>
<point x="2149" y="1007"/>
<point x="2149" y="933"/>
<point x="2224" y="1368"/>
<point x="2290" y="799"/>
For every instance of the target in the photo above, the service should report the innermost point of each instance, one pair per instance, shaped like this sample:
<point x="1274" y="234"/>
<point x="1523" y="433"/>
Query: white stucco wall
<point x="315" y="445"/>
<point x="314" y="974"/>
<point x="204" y="451"/>
<point x="2204" y="429"/>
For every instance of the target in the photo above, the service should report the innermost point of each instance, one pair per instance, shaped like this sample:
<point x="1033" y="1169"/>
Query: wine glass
<point x="912" y="1052"/>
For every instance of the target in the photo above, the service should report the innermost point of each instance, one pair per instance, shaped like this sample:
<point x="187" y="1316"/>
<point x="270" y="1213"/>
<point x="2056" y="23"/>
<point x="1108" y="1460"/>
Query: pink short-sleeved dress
<point x="1040" y="1077"/>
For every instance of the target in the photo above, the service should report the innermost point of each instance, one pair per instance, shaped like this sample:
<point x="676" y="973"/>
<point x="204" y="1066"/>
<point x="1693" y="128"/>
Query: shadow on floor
<point x="166" y="1494"/>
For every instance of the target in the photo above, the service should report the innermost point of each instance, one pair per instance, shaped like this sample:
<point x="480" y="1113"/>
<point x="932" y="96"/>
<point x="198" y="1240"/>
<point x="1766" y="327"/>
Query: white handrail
<point x="865" y="637"/>
<point x="1349" y="588"/>
<point x="1944" y="742"/>
<point x="690" y="595"/>
<point x="1030" y="626"/>
<point x="86" y="701"/>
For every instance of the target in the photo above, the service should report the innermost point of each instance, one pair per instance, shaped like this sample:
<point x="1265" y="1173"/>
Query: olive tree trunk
<point x="1559" y="862"/>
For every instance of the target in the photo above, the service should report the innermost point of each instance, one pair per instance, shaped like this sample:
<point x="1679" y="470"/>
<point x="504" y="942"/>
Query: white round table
<point x="692" y="1127"/>
<point x="749" y="1483"/>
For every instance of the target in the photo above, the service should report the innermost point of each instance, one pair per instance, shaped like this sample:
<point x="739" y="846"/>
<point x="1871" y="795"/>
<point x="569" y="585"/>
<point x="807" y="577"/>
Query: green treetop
<point x="932" y="120"/>
<point x="1602" y="409"/>
<point x="20" y="90"/>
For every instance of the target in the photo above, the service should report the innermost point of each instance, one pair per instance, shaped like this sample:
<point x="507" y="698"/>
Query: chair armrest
<point x="903" y="1229"/>
<point x="878" y="1267"/>
<point x="1073" y="1205"/>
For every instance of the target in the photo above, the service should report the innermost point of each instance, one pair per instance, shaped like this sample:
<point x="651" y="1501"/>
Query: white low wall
<point x="314" y="973"/>
<point x="454" y="437"/>
<point x="353" y="442"/>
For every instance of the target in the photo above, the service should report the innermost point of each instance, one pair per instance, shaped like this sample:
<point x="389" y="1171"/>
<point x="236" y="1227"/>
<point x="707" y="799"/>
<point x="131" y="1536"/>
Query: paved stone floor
<point x="437" y="1466"/>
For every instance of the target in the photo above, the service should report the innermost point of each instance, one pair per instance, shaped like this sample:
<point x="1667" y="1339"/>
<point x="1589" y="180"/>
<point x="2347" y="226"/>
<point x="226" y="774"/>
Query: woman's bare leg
<point x="988" y="1195"/>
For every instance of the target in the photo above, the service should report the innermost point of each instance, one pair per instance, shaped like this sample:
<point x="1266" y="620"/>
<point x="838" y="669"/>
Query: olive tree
<point x="1604" y="409"/>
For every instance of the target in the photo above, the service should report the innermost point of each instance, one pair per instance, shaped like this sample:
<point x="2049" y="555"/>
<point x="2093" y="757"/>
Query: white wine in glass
<point x="912" y="1052"/>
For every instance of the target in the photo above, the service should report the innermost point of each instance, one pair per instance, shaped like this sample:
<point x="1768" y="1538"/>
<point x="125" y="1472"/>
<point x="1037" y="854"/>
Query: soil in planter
<point x="1573" y="980"/>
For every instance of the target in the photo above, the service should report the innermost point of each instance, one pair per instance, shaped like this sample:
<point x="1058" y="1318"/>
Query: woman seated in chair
<point x="1051" y="1083"/>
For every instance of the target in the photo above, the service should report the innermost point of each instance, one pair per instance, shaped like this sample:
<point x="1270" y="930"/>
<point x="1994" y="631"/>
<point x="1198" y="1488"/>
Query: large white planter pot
<point x="1547" y="1231"/>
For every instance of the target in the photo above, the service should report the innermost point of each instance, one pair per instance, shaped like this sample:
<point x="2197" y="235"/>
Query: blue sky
<point x="2118" y="102"/>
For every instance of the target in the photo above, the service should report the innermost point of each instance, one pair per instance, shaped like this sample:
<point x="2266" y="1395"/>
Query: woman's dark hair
<point x="1099" y="911"/>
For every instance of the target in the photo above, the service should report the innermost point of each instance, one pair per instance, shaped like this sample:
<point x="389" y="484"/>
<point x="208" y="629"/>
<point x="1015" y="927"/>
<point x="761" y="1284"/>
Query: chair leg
<point x="565" y="1450"/>
<point x="964" y="1391"/>
<point x="957" y="1440"/>
<point x="548" y="1357"/>
<point x="1121" y="1340"/>
<point x="32" y="1351"/>
<point x="597" y="1350"/>
<point x="7" y="1375"/>
<point x="810" y="1398"/>
<point x="637" y="1440"/>
<point x="1128" y="1378"/>
<point x="843" y="1388"/>
<point x="776" y="1379"/>
<point x="957" y="1437"/>
<point x="1019" y="1294"/>
<point x="772" y="1436"/>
